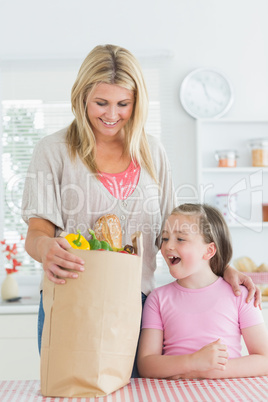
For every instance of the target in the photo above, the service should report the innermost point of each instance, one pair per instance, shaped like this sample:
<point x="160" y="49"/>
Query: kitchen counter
<point x="145" y="390"/>
<point x="26" y="305"/>
<point x="29" y="293"/>
<point x="30" y="305"/>
<point x="18" y="335"/>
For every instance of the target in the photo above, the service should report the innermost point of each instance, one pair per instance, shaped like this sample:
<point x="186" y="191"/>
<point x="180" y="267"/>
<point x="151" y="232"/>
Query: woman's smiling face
<point x="109" y="108"/>
<point x="183" y="246"/>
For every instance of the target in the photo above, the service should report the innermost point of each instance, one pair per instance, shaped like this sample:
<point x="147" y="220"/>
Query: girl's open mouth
<point x="174" y="260"/>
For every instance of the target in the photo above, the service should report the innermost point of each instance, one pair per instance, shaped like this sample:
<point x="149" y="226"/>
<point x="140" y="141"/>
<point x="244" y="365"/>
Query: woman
<point x="102" y="163"/>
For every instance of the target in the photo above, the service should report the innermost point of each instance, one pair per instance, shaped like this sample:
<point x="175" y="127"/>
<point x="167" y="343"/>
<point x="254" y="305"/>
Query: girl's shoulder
<point x="163" y="290"/>
<point x="229" y="291"/>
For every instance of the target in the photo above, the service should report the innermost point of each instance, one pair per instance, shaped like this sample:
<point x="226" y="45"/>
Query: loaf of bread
<point x="265" y="292"/>
<point x="262" y="268"/>
<point x="245" y="264"/>
<point x="108" y="228"/>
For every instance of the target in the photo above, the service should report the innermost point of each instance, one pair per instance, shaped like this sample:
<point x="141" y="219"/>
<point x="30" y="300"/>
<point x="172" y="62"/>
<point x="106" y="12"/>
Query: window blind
<point x="25" y="121"/>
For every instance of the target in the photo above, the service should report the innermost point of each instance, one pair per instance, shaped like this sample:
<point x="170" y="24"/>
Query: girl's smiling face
<point x="184" y="249"/>
<point x="109" y="108"/>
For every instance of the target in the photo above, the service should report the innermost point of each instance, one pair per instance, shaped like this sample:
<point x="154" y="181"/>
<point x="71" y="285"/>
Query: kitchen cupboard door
<point x="18" y="347"/>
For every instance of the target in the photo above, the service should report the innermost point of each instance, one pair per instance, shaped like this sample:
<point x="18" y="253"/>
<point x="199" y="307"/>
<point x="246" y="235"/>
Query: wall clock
<point x="206" y="93"/>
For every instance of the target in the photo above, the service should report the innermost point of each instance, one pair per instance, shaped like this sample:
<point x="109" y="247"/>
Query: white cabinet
<point x="249" y="184"/>
<point x="19" y="356"/>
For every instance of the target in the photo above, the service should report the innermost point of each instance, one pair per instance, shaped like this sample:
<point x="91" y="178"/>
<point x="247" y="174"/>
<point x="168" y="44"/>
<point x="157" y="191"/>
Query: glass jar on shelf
<point x="265" y="212"/>
<point x="227" y="204"/>
<point x="259" y="152"/>
<point x="226" y="157"/>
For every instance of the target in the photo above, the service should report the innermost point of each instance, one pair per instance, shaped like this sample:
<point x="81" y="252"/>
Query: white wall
<point x="231" y="35"/>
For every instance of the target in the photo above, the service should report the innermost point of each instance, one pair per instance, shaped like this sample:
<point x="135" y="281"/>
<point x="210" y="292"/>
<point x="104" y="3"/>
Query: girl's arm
<point x="152" y="364"/>
<point x="43" y="247"/>
<point x="253" y="365"/>
<point x="236" y="278"/>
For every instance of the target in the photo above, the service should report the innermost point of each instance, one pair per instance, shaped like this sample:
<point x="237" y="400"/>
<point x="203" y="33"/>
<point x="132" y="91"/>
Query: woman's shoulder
<point x="157" y="150"/>
<point x="154" y="142"/>
<point x="51" y="149"/>
<point x="59" y="137"/>
<point x="52" y="145"/>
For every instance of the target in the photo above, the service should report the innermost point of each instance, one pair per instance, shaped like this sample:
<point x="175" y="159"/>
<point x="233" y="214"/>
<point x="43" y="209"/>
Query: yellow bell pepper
<point x="78" y="241"/>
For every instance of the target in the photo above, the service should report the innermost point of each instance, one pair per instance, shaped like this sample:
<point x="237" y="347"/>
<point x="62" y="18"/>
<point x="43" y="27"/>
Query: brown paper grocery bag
<point x="92" y="325"/>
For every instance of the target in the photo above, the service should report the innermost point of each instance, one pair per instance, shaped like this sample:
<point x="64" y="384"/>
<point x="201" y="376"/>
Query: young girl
<point x="192" y="327"/>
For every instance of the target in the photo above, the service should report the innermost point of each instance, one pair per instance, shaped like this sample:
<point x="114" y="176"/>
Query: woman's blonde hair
<point x="111" y="65"/>
<point x="213" y="228"/>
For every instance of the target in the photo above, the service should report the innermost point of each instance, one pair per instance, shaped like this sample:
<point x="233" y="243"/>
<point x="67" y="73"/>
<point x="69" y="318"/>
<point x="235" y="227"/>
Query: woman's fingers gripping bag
<point x="92" y="325"/>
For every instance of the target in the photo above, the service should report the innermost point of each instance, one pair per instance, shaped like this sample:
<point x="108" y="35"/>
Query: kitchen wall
<point x="231" y="35"/>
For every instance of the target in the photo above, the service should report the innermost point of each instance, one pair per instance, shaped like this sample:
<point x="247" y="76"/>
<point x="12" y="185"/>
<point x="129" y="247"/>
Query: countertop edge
<point x="31" y="309"/>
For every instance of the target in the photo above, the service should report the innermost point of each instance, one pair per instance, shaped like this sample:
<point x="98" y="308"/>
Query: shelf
<point x="249" y="169"/>
<point x="256" y="225"/>
<point x="231" y="121"/>
<point x="250" y="183"/>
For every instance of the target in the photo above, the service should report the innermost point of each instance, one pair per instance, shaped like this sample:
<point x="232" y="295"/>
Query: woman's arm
<point x="152" y="364"/>
<point x="42" y="246"/>
<point x="253" y="365"/>
<point x="236" y="278"/>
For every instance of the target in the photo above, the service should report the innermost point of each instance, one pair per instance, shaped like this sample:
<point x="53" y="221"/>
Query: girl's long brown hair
<point x="214" y="229"/>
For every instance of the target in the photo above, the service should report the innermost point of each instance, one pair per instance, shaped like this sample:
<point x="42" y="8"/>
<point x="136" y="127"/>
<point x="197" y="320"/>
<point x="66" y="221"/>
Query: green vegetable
<point x="94" y="243"/>
<point x="105" y="246"/>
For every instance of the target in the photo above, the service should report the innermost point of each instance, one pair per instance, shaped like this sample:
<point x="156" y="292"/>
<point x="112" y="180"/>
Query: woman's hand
<point x="51" y="251"/>
<point x="236" y="278"/>
<point x="54" y="257"/>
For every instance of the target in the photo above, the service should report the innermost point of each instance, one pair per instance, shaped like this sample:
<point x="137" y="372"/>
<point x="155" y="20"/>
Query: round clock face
<point x="206" y="94"/>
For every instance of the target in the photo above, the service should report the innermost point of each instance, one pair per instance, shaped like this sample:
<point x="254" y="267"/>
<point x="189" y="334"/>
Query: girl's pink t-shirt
<point x="192" y="318"/>
<point x="121" y="185"/>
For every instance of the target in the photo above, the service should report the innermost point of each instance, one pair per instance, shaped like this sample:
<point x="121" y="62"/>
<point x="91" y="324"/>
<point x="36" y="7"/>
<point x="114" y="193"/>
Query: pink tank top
<point x="121" y="185"/>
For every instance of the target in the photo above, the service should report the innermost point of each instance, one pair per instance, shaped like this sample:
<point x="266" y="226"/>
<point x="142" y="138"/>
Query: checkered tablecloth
<point x="149" y="390"/>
